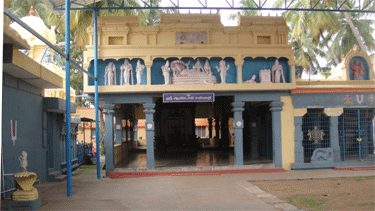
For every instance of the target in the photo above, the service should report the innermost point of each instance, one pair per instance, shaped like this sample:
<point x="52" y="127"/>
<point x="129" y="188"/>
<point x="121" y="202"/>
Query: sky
<point x="217" y="3"/>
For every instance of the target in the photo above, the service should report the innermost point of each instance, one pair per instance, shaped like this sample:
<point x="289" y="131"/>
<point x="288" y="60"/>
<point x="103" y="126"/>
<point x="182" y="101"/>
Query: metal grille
<point x="315" y="129"/>
<point x="356" y="134"/>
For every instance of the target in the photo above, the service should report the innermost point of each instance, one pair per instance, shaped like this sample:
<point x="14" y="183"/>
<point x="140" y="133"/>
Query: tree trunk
<point x="330" y="50"/>
<point x="354" y="29"/>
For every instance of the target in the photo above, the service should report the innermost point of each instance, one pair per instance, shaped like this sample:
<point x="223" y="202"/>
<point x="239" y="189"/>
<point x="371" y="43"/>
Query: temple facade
<point x="190" y="66"/>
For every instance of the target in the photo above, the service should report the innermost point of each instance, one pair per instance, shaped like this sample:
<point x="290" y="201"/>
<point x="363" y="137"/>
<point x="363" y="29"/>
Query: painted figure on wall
<point x="277" y="72"/>
<point x="110" y="74"/>
<point x="207" y="68"/>
<point x="23" y="160"/>
<point x="126" y="73"/>
<point x="357" y="69"/>
<point x="166" y="69"/>
<point x="222" y="70"/>
<point x="139" y="71"/>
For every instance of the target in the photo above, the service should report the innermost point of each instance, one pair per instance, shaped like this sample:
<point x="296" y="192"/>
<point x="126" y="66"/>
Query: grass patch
<point x="87" y="167"/>
<point x="310" y="201"/>
<point x="359" y="179"/>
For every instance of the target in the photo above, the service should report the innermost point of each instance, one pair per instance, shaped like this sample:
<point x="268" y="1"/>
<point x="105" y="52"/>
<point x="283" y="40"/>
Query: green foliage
<point x="245" y="4"/>
<point x="326" y="34"/>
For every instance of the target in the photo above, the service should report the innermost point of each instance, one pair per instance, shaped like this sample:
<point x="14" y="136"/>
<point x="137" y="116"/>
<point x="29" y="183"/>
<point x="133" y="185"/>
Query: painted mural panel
<point x="115" y="72"/>
<point x="256" y="69"/>
<point x="359" y="69"/>
<point x="189" y="71"/>
<point x="334" y="100"/>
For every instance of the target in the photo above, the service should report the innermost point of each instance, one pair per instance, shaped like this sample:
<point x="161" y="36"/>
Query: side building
<point x="31" y="121"/>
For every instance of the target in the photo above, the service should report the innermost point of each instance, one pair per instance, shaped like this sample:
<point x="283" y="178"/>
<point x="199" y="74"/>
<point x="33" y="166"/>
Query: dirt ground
<point x="355" y="193"/>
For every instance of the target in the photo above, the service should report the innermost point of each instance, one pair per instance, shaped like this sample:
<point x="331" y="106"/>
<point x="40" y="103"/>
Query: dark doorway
<point x="257" y="132"/>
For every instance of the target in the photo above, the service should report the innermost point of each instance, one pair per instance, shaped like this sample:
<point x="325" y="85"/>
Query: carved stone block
<point x="322" y="155"/>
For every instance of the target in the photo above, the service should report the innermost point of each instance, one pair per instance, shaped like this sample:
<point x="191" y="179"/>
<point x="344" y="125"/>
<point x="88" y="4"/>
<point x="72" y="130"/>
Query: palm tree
<point x="21" y="8"/>
<point x="245" y="4"/>
<point x="326" y="26"/>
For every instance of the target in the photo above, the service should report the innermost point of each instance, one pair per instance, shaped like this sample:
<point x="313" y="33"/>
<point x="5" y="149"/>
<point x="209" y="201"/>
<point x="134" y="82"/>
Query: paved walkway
<point x="215" y="192"/>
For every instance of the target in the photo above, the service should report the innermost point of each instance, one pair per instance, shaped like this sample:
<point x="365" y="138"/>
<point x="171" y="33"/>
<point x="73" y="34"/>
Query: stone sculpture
<point x="222" y="70"/>
<point x="322" y="155"/>
<point x="198" y="67"/>
<point x="139" y="71"/>
<point x="252" y="80"/>
<point x="265" y="76"/>
<point x="207" y="68"/>
<point x="110" y="74"/>
<point x="23" y="160"/>
<point x="166" y="69"/>
<point x="198" y="75"/>
<point x="277" y="71"/>
<point x="126" y="73"/>
<point x="25" y="181"/>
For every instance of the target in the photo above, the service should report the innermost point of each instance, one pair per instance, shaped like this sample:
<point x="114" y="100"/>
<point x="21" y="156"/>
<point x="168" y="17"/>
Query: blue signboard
<point x="188" y="97"/>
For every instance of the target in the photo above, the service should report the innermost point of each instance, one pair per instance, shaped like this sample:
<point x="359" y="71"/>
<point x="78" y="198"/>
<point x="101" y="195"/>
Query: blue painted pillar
<point x="96" y="93"/>
<point x="109" y="148"/>
<point x="334" y="136"/>
<point x="118" y="127"/>
<point x="298" y="138"/>
<point x="67" y="99"/>
<point x="149" y="126"/>
<point x="276" y="108"/>
<point x="135" y="129"/>
<point x="238" y="132"/>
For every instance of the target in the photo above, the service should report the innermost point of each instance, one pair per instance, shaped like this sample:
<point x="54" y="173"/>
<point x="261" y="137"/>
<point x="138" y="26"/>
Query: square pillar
<point x="217" y="127"/>
<point x="149" y="126"/>
<point x="298" y="138"/>
<point x="276" y="108"/>
<point x="334" y="136"/>
<point x="210" y="127"/>
<point x="135" y="129"/>
<point x="118" y="128"/>
<point x="109" y="148"/>
<point x="238" y="132"/>
<point x="126" y="130"/>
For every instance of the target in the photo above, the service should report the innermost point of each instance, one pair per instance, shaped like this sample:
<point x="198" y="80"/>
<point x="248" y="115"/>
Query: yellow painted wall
<point x="287" y="132"/>
<point x="159" y="41"/>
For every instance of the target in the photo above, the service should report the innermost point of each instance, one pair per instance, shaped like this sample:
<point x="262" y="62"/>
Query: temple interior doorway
<point x="257" y="132"/>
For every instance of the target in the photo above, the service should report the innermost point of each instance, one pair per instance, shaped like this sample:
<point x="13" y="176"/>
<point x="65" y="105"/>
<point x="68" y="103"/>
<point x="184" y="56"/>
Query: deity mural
<point x="277" y="72"/>
<point x="222" y="70"/>
<point x="198" y="75"/>
<point x="207" y="68"/>
<point x="126" y="73"/>
<point x="166" y="69"/>
<point x="139" y="71"/>
<point x="110" y="74"/>
<point x="357" y="69"/>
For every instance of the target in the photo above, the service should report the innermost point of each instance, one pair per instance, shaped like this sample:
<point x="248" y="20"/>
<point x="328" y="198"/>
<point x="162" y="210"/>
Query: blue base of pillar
<point x="34" y="205"/>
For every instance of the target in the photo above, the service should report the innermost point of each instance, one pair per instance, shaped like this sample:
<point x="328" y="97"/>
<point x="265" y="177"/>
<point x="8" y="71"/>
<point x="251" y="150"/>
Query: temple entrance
<point x="202" y="135"/>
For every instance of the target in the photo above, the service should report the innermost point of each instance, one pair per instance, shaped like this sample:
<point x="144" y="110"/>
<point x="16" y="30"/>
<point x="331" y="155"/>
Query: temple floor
<point x="175" y="157"/>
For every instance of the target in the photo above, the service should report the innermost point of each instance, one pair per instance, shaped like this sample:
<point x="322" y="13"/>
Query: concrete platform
<point x="216" y="192"/>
